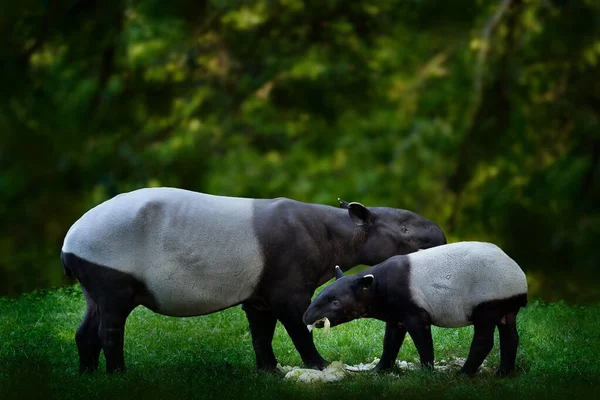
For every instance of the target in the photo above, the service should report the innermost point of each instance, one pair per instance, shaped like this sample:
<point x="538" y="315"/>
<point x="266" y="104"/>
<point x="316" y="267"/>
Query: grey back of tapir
<point x="184" y="253"/>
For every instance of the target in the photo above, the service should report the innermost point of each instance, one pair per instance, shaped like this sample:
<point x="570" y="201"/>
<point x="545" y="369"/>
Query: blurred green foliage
<point x="483" y="116"/>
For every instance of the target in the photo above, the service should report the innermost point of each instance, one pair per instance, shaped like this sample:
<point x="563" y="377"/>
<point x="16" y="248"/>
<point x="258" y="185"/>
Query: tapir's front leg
<point x="262" y="327"/>
<point x="392" y="341"/>
<point x="290" y="314"/>
<point x="419" y="329"/>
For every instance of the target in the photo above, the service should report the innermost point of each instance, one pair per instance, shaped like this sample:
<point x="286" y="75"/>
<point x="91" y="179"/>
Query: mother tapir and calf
<point x="183" y="253"/>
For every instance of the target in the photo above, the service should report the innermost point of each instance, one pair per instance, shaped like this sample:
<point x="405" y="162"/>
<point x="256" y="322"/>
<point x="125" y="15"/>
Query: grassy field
<point x="212" y="357"/>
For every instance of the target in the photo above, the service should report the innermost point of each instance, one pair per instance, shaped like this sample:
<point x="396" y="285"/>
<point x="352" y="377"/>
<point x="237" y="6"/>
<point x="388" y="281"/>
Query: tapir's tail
<point x="521" y="300"/>
<point x="66" y="269"/>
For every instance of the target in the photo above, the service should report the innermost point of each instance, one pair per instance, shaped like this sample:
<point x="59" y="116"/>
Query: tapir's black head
<point x="346" y="299"/>
<point x="392" y="231"/>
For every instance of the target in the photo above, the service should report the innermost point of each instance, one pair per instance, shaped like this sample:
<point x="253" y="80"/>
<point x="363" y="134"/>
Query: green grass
<point x="212" y="357"/>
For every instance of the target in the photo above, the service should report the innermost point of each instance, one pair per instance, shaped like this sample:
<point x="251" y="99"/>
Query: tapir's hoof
<point x="427" y="367"/>
<point x="319" y="366"/>
<point x="269" y="369"/>
<point x="382" y="369"/>
<point x="463" y="372"/>
<point x="503" y="373"/>
<point x="87" y="370"/>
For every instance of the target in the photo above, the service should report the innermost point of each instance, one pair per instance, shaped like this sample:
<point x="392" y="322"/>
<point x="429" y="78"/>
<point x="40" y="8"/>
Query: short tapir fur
<point x="184" y="253"/>
<point x="459" y="284"/>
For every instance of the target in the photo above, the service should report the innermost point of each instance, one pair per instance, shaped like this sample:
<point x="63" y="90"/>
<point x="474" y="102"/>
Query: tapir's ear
<point x="343" y="203"/>
<point x="359" y="213"/>
<point x="366" y="281"/>
<point x="338" y="272"/>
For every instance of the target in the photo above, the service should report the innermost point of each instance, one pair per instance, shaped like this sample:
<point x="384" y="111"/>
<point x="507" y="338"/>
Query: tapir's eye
<point x="404" y="229"/>
<point x="336" y="303"/>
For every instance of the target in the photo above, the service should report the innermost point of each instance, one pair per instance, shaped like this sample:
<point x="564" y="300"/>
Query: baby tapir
<point x="184" y="253"/>
<point x="459" y="284"/>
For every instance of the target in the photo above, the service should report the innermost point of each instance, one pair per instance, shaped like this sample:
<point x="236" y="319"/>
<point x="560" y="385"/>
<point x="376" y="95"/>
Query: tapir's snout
<point x="435" y="238"/>
<point x="313" y="317"/>
<point x="320" y="315"/>
<point x="422" y="233"/>
<point x="309" y="319"/>
<point x="427" y="236"/>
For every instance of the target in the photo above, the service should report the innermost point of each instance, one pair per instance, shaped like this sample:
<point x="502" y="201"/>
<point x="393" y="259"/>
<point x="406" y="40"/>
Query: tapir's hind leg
<point x="114" y="310"/>
<point x="509" y="341"/>
<point x="103" y="328"/>
<point x="482" y="344"/>
<point x="88" y="342"/>
<point x="111" y="295"/>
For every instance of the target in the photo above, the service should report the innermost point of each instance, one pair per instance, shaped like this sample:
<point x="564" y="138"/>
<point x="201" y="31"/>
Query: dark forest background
<point x="483" y="116"/>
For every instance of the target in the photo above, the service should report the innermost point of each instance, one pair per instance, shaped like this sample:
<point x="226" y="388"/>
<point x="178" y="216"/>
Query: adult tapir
<point x="183" y="253"/>
<point x="459" y="284"/>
